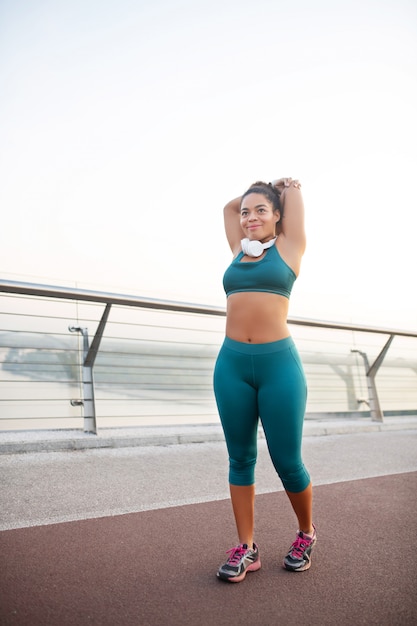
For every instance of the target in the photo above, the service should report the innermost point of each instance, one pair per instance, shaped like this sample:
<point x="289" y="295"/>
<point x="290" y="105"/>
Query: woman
<point x="258" y="372"/>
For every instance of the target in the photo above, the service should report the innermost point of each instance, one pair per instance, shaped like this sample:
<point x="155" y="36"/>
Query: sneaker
<point x="298" y="558"/>
<point x="241" y="560"/>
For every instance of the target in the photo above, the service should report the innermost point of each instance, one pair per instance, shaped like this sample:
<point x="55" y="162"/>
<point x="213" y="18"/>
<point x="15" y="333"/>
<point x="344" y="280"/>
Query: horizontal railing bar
<point x="71" y="293"/>
<point x="351" y="327"/>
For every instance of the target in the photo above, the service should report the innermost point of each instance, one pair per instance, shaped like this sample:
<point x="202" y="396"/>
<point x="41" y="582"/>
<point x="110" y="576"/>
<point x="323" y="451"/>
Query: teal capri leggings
<point x="262" y="381"/>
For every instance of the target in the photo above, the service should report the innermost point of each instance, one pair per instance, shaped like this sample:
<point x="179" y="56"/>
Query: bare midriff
<point x="257" y="317"/>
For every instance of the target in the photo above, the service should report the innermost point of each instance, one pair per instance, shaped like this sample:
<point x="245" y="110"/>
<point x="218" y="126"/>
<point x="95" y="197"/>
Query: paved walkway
<point x="15" y="441"/>
<point x="134" y="535"/>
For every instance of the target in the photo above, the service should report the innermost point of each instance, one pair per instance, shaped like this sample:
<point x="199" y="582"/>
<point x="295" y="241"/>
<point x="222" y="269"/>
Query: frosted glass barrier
<point x="155" y="367"/>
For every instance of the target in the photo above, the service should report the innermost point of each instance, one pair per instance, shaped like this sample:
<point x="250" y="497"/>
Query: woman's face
<point x="258" y="218"/>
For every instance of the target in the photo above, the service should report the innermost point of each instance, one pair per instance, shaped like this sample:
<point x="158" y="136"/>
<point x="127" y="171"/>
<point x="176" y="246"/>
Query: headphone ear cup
<point x="252" y="248"/>
<point x="255" y="248"/>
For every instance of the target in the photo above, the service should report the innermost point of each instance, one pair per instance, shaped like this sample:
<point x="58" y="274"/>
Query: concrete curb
<point x="348" y="427"/>
<point x="19" y="442"/>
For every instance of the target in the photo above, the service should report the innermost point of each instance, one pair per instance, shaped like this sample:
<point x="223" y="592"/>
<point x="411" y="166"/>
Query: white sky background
<point x="125" y="126"/>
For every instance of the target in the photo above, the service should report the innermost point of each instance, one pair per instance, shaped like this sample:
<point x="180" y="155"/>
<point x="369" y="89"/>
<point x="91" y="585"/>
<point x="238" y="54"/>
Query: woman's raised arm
<point x="292" y="220"/>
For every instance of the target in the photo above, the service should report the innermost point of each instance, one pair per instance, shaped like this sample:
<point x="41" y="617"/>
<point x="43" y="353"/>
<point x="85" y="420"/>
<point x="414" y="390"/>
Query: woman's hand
<point x="283" y="183"/>
<point x="281" y="186"/>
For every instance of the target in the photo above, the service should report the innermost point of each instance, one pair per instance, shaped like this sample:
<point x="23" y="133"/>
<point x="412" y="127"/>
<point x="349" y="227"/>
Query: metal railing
<point x="90" y="350"/>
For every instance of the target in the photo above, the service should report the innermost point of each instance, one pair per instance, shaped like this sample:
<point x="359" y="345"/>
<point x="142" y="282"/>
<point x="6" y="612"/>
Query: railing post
<point x="371" y="371"/>
<point x="88" y="400"/>
<point x="89" y="357"/>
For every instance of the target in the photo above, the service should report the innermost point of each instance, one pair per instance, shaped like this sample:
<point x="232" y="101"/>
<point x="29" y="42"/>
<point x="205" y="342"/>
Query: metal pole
<point x="88" y="401"/>
<point x="89" y="357"/>
<point x="371" y="371"/>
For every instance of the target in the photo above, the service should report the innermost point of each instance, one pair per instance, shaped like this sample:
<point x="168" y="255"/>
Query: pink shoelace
<point x="299" y="545"/>
<point x="236" y="555"/>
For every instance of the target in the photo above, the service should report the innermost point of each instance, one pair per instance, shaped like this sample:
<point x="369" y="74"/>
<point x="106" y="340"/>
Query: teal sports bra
<point x="271" y="274"/>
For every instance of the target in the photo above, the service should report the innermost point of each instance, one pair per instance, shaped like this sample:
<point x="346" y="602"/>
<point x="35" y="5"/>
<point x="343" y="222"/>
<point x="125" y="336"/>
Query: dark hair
<point x="267" y="190"/>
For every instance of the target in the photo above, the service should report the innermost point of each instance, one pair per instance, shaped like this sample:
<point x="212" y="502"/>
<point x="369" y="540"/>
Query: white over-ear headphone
<point x="255" y="248"/>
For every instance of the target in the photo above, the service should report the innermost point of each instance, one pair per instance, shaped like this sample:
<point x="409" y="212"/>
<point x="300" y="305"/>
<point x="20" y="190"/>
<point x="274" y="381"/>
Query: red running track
<point x="158" y="568"/>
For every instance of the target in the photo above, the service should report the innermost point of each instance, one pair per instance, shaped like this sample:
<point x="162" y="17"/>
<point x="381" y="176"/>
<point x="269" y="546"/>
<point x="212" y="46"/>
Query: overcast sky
<point x="126" y="126"/>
